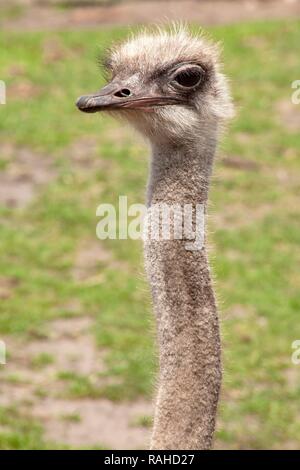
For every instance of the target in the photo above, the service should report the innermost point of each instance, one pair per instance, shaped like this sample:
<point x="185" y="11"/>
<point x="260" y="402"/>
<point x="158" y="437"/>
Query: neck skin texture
<point x="184" y="305"/>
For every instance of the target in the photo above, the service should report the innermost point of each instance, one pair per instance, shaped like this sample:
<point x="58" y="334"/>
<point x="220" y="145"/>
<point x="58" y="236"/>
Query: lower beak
<point x="115" y="97"/>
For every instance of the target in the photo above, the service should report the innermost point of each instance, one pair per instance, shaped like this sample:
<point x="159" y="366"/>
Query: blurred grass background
<point x="89" y="159"/>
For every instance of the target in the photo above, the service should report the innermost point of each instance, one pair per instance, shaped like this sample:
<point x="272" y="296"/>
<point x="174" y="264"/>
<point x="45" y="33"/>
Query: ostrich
<point x="168" y="85"/>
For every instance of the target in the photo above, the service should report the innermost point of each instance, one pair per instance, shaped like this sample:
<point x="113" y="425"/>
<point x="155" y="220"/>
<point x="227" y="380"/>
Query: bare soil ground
<point x="35" y="385"/>
<point x="25" y="172"/>
<point x="288" y="115"/>
<point x="129" y="13"/>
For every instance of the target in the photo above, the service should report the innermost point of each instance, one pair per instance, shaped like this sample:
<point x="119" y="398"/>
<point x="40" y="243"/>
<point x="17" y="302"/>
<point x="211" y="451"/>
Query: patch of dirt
<point x="289" y="115"/>
<point x="23" y="90"/>
<point x="237" y="312"/>
<point x="239" y="214"/>
<point x="16" y="70"/>
<point x="84" y="157"/>
<point x="100" y="422"/>
<point x="71" y="348"/>
<point x="292" y="377"/>
<point x="83" y="154"/>
<point x="204" y="12"/>
<point x="71" y="345"/>
<point x="25" y="172"/>
<point x="77" y="422"/>
<point x="234" y="216"/>
<point x="240" y="163"/>
<point x="89" y="256"/>
<point x="7" y="286"/>
<point x="53" y="51"/>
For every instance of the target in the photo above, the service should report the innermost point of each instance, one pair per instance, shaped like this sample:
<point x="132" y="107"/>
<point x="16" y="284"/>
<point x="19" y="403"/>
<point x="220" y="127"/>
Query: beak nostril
<point x="123" y="93"/>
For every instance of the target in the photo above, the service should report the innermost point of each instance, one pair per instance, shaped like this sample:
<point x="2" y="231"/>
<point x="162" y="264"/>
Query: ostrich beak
<point x="116" y="96"/>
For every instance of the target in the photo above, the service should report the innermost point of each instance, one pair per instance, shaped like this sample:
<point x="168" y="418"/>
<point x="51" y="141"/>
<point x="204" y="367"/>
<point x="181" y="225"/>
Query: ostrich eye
<point x="189" y="78"/>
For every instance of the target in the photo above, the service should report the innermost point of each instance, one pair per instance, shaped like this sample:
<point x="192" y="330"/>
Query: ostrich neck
<point x="184" y="304"/>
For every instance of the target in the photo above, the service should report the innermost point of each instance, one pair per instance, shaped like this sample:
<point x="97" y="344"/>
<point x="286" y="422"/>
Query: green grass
<point x="19" y="431"/>
<point x="255" y="246"/>
<point x="42" y="360"/>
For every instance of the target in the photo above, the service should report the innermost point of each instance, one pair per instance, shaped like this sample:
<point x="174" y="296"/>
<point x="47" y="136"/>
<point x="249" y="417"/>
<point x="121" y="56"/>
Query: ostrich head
<point x="166" y="84"/>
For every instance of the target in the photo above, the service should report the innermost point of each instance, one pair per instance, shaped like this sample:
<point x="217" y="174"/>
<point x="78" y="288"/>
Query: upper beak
<point x="116" y="96"/>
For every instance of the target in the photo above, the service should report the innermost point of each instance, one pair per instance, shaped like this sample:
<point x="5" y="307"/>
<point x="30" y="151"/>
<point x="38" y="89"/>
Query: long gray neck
<point x="185" y="308"/>
<point x="179" y="173"/>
